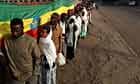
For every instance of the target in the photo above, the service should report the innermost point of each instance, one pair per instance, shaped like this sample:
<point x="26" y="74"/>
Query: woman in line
<point x="48" y="48"/>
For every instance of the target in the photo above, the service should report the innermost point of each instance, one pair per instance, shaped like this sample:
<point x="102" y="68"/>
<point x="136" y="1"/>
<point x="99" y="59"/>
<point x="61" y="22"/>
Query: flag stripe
<point x="5" y="28"/>
<point x="9" y="11"/>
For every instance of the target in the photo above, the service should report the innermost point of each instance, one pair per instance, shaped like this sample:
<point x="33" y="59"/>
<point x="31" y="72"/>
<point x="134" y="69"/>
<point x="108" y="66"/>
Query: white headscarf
<point x="48" y="48"/>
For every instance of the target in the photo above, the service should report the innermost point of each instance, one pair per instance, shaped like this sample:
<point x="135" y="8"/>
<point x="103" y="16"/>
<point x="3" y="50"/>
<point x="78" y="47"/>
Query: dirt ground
<point x="102" y="58"/>
<point x="126" y="20"/>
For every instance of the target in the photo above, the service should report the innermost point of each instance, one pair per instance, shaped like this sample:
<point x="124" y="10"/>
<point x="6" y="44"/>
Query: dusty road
<point x="126" y="21"/>
<point x="104" y="57"/>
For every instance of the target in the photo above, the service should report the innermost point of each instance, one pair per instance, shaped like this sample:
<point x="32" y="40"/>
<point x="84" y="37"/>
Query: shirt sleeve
<point x="60" y="41"/>
<point x="36" y="54"/>
<point x="3" y="60"/>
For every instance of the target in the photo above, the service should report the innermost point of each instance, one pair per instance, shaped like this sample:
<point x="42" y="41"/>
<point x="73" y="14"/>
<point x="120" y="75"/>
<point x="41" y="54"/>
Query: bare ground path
<point x="102" y="58"/>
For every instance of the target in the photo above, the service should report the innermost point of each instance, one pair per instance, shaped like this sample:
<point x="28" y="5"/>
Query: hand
<point x="53" y="65"/>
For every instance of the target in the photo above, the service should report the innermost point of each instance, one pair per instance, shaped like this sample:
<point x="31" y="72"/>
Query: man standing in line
<point x="57" y="32"/>
<point x="21" y="56"/>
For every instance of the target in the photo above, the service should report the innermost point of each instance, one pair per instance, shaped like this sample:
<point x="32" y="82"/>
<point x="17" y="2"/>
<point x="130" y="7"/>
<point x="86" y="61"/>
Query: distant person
<point x="63" y="24"/>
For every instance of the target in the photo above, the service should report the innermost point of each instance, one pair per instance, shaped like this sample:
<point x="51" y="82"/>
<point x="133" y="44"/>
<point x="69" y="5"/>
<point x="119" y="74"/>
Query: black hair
<point x="55" y="15"/>
<point x="63" y="17"/>
<point x="16" y="21"/>
<point x="71" y="21"/>
<point x="47" y="28"/>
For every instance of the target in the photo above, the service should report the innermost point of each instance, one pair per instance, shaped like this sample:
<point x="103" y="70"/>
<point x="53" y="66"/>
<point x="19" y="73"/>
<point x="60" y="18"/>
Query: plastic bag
<point x="61" y="60"/>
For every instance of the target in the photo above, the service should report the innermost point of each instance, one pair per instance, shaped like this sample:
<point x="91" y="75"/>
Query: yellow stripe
<point x="5" y="28"/>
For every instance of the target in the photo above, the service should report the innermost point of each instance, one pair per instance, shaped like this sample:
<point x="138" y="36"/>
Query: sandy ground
<point x="102" y="58"/>
<point x="126" y="20"/>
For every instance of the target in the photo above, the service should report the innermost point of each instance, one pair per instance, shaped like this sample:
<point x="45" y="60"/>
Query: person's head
<point x="54" y="18"/>
<point x="63" y="17"/>
<point x="17" y="27"/>
<point x="77" y="13"/>
<point x="70" y="12"/>
<point x="78" y="7"/>
<point x="44" y="31"/>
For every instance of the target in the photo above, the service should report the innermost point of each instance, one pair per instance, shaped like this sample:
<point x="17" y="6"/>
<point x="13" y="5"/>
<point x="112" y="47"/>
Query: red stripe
<point x="33" y="33"/>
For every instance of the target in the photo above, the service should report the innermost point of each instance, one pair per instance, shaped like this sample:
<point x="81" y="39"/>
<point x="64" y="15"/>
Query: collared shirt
<point x="23" y="55"/>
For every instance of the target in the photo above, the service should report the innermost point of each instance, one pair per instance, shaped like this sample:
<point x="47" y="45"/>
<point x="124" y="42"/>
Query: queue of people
<point x="26" y="60"/>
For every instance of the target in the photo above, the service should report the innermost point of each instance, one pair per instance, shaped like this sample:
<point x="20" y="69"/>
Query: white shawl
<point x="48" y="48"/>
<point x="63" y="26"/>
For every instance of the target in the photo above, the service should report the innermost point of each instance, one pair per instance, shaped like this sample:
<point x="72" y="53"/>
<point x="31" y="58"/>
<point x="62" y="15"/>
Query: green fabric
<point x="9" y="11"/>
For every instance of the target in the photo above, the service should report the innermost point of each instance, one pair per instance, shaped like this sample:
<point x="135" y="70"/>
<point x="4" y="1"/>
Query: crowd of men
<point x="25" y="60"/>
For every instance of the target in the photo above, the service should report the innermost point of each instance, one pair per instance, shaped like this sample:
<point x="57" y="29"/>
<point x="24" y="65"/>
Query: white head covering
<point x="48" y="48"/>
